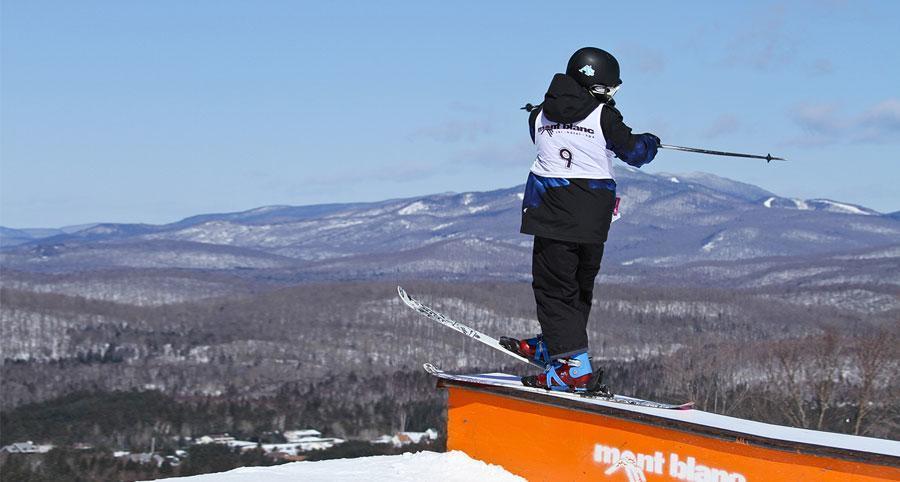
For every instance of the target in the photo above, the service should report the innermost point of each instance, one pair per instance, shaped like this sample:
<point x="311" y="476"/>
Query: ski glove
<point x="644" y="150"/>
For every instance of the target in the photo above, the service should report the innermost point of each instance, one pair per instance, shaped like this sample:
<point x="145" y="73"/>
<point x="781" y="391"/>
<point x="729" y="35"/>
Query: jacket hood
<point x="567" y="101"/>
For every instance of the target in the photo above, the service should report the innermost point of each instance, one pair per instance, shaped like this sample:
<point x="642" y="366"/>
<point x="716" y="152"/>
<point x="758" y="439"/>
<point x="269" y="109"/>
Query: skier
<point x="568" y="206"/>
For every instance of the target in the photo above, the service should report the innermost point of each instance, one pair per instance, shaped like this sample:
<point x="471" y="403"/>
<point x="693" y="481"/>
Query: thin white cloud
<point x="765" y="43"/>
<point x="499" y="156"/>
<point x="818" y="118"/>
<point x="829" y="123"/>
<point x="642" y="59"/>
<point x="724" y="125"/>
<point x="881" y="122"/>
<point x="453" y="131"/>
<point x="820" y="67"/>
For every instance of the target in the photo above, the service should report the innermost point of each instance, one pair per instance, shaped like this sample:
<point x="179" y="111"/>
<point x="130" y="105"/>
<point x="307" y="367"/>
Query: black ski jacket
<point x="579" y="210"/>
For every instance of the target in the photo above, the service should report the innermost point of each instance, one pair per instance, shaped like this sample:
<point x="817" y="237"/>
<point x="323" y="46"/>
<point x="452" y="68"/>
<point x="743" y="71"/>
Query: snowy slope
<point x="452" y="466"/>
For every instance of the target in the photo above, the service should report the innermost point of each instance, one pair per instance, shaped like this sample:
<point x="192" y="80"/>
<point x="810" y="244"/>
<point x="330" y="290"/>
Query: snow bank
<point x="452" y="466"/>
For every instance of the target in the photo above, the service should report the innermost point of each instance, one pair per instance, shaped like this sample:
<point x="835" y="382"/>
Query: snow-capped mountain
<point x="818" y="205"/>
<point x="668" y="219"/>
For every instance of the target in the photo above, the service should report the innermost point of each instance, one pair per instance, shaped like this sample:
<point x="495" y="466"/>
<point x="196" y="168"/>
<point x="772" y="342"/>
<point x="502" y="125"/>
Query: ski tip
<point x="404" y="296"/>
<point x="431" y="368"/>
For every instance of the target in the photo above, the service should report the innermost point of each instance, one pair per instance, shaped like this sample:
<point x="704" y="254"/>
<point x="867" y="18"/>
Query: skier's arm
<point x="634" y="149"/>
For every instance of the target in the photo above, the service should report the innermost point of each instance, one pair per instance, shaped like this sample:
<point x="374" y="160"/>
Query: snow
<point x="801" y="204"/>
<point x="296" y="434"/>
<point x="452" y="466"/>
<point x="768" y="202"/>
<point x="892" y="252"/>
<point x="862" y="301"/>
<point x="869" y="228"/>
<point x="804" y="235"/>
<point x="441" y="226"/>
<point x="789" y="275"/>
<point x="341" y="224"/>
<point x="413" y="208"/>
<point x="674" y="179"/>
<point x="100" y="230"/>
<point x="266" y="209"/>
<point x="712" y="244"/>
<point x="843" y="208"/>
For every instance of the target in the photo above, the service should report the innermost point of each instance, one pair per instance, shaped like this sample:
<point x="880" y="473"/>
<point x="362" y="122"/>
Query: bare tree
<point x="875" y="357"/>
<point x="824" y="374"/>
<point x="785" y="374"/>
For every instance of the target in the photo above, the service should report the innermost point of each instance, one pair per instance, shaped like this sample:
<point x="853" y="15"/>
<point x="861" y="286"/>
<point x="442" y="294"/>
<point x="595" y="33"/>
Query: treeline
<point x="347" y="406"/>
<point x="347" y="356"/>
<point x="837" y="380"/>
<point x="67" y="465"/>
<point x="831" y="381"/>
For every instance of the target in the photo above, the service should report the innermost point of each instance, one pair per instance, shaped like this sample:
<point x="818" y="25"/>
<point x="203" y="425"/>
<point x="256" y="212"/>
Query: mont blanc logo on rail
<point x="636" y="466"/>
<point x="571" y="128"/>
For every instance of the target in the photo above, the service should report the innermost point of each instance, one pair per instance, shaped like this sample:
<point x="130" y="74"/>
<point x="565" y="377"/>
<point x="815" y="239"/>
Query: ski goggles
<point x="600" y="89"/>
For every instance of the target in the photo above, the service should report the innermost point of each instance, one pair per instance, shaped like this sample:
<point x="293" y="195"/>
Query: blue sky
<point x="154" y="111"/>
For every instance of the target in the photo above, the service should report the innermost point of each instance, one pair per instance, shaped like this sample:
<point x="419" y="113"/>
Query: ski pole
<point x="768" y="157"/>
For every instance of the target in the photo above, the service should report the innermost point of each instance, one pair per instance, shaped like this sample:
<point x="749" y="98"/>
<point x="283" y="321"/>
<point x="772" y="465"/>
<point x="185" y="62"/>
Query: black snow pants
<point x="563" y="281"/>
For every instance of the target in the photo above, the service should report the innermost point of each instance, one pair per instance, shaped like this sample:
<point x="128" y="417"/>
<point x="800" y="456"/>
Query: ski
<point x="504" y="379"/>
<point x="511" y="381"/>
<point x="465" y="330"/>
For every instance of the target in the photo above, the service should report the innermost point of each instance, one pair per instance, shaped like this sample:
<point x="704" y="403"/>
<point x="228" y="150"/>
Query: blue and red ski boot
<point x="573" y="374"/>
<point x="532" y="348"/>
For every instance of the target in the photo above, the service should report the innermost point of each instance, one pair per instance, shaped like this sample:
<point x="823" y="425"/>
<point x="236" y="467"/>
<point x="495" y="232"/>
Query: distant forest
<point x="346" y="358"/>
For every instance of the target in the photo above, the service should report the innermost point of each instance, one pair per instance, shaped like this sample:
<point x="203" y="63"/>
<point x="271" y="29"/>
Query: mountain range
<point x="246" y="302"/>
<point x="667" y="220"/>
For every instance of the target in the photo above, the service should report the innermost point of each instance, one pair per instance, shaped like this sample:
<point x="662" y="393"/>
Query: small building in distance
<point x="297" y="441"/>
<point x="221" y="438"/>
<point x="309" y="439"/>
<point x="145" y="458"/>
<point x="241" y="444"/>
<point x="295" y="435"/>
<point x="406" y="438"/>
<point x="28" y="447"/>
<point x="306" y="444"/>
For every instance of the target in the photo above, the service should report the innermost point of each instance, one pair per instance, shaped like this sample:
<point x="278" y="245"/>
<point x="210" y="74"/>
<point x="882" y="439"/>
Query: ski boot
<point x="570" y="375"/>
<point x="533" y="348"/>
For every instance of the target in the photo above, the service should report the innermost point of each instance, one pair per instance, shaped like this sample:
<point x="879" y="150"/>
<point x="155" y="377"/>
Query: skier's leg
<point x="589" y="257"/>
<point x="556" y="293"/>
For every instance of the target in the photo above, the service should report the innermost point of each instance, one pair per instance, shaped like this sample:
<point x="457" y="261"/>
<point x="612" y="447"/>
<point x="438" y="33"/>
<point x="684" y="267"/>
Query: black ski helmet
<point x="592" y="66"/>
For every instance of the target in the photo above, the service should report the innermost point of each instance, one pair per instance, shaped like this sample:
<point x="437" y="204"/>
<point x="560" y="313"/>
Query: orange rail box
<point x="545" y="436"/>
